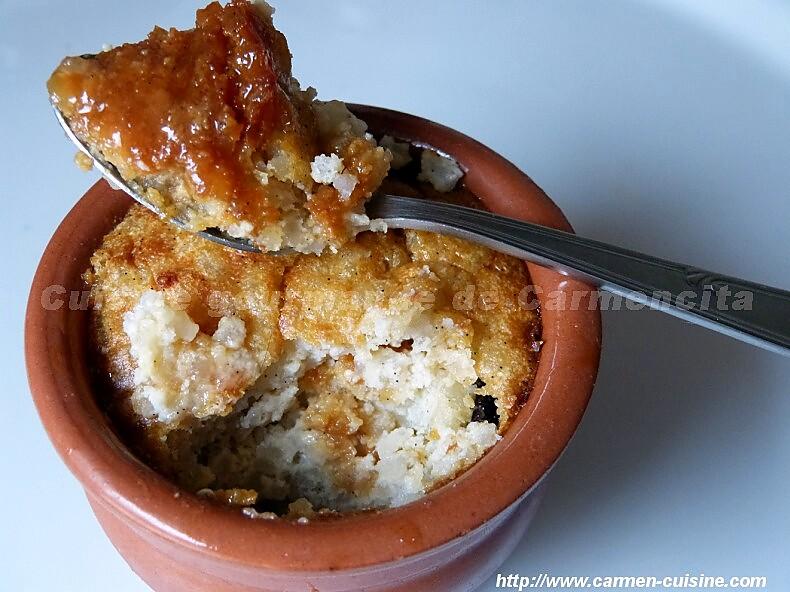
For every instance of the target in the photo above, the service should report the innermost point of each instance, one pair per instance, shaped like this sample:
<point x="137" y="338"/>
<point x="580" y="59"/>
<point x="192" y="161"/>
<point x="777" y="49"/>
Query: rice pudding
<point x="303" y="384"/>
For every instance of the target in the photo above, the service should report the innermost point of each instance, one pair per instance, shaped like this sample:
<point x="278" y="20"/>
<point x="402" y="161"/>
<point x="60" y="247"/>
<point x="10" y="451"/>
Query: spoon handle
<point x="748" y="311"/>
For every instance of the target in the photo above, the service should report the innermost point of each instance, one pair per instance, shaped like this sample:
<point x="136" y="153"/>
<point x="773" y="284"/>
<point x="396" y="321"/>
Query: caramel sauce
<point x="369" y="170"/>
<point x="338" y="416"/>
<point x="208" y="101"/>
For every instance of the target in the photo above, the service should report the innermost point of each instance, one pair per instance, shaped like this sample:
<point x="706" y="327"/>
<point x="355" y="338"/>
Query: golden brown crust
<point x="204" y="279"/>
<point x="326" y="298"/>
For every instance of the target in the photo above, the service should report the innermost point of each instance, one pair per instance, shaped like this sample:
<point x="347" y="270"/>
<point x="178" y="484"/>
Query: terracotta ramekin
<point x="452" y="539"/>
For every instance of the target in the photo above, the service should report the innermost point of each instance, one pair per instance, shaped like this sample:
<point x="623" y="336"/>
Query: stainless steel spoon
<point x="748" y="311"/>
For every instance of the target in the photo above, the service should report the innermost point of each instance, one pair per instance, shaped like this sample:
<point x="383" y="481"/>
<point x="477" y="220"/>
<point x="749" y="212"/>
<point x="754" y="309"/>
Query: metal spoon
<point x="751" y="312"/>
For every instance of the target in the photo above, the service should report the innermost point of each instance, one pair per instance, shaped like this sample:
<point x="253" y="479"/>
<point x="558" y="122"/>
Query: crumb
<point x="83" y="161"/>
<point x="442" y="172"/>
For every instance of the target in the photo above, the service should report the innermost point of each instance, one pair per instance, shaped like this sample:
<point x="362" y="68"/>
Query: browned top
<point x="202" y="278"/>
<point x="211" y="101"/>
<point x="485" y="292"/>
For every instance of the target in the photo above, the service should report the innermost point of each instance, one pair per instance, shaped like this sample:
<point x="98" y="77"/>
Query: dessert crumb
<point x="83" y="161"/>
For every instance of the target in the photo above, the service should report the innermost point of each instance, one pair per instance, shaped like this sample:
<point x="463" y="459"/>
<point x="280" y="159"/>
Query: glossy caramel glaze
<point x="209" y="101"/>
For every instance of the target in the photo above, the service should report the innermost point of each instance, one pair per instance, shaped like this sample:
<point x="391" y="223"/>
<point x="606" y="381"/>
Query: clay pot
<point x="452" y="539"/>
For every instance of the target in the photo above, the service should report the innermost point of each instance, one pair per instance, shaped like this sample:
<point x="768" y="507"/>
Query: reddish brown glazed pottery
<point x="452" y="539"/>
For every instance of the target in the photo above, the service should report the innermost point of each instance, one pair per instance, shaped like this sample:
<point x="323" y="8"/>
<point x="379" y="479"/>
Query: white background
<point x="659" y="125"/>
